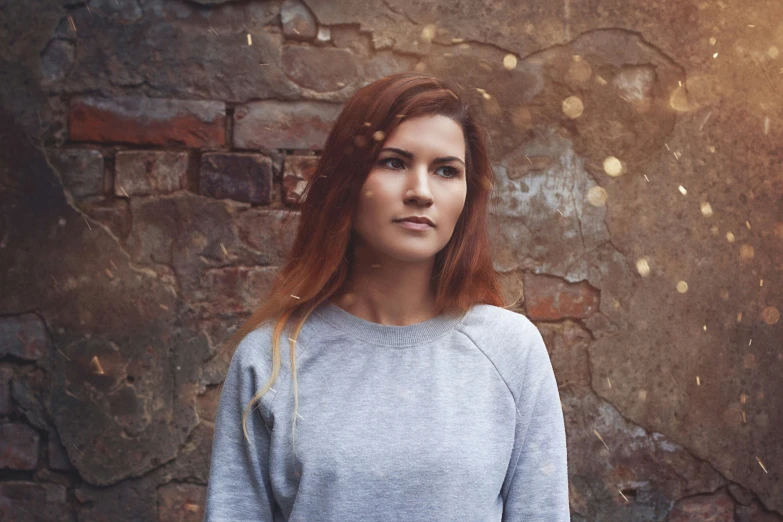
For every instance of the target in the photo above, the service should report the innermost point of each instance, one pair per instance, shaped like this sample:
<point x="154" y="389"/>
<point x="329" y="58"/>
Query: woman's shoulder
<point x="507" y="338"/>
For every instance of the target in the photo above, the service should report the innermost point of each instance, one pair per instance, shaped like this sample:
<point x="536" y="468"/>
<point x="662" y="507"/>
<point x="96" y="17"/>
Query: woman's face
<point x="414" y="180"/>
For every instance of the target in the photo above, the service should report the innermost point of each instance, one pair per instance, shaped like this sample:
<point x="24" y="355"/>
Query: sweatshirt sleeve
<point x="538" y="491"/>
<point x="239" y="487"/>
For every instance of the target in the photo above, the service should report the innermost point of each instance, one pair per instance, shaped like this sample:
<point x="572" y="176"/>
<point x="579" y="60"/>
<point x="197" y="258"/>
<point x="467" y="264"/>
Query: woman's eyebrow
<point x="409" y="155"/>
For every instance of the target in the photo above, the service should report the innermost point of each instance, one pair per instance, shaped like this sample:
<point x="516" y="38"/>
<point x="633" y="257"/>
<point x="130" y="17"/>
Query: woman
<point x="407" y="391"/>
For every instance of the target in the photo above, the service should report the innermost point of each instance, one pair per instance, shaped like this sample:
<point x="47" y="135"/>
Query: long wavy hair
<point x="319" y="260"/>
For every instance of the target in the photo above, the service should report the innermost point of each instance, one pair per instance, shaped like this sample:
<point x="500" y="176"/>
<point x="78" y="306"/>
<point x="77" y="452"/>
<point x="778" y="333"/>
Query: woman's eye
<point x="385" y="161"/>
<point x="451" y="172"/>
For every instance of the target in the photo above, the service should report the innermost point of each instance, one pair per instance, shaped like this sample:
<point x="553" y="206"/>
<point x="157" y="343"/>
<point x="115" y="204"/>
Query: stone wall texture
<point x="152" y="149"/>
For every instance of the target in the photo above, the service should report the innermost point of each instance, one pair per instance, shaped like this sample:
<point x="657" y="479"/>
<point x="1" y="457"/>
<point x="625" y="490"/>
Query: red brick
<point x="144" y="173"/>
<point x="272" y="124"/>
<point x="241" y="177"/>
<point x="551" y="298"/>
<point x="181" y="502"/>
<point x="153" y="121"/>
<point x="18" y="446"/>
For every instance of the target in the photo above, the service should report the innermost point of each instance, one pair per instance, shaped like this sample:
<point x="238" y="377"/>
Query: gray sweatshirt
<point x="455" y="418"/>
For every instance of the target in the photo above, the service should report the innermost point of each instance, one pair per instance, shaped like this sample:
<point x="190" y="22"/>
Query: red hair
<point x="318" y="263"/>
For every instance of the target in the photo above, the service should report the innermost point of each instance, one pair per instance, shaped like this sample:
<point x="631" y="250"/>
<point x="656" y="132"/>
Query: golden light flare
<point x="682" y="287"/>
<point x="770" y="315"/>
<point x="613" y="166"/>
<point x="249" y="39"/>
<point x="762" y="465"/>
<point x="678" y="99"/>
<point x="643" y="267"/>
<point x="747" y="252"/>
<point x="428" y="33"/>
<point x="600" y="438"/>
<point x="642" y="395"/>
<point x="597" y="196"/>
<point x="706" y="208"/>
<point x="378" y="135"/>
<point x="95" y="364"/>
<point x="579" y="71"/>
<point x="420" y="67"/>
<point x="509" y="62"/>
<point x="573" y="107"/>
<point x="683" y="191"/>
<point x="483" y="93"/>
<point x="730" y="237"/>
<point x="698" y="381"/>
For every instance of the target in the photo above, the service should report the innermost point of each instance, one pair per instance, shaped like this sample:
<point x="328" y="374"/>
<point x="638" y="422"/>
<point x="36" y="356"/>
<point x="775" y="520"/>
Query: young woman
<point x="382" y="378"/>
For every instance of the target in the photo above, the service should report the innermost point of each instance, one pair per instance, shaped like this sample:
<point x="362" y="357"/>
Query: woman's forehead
<point x="429" y="135"/>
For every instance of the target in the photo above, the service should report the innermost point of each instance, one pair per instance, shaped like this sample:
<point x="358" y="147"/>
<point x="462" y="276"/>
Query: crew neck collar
<point x="387" y="335"/>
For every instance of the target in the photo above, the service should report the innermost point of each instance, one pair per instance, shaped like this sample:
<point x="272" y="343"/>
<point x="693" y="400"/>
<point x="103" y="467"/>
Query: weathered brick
<point x="718" y="507"/>
<point x="143" y="173"/>
<point x="178" y="502"/>
<point x="321" y="69"/>
<point x="297" y="171"/>
<point x="298" y="21"/>
<point x="81" y="170"/>
<point x="567" y="343"/>
<point x="19" y="445"/>
<point x="232" y="289"/>
<point x="280" y="230"/>
<point x="208" y="403"/>
<point x="112" y="212"/>
<point x="23" y="336"/>
<point x="6" y="404"/>
<point x="58" y="457"/>
<point x="283" y="125"/>
<point x="241" y="177"/>
<point x="155" y="121"/>
<point x="551" y="298"/>
<point x="28" y="501"/>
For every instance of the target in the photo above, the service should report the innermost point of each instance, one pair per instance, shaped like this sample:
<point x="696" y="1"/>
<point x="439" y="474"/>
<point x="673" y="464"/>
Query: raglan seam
<point x="519" y="453"/>
<point x="287" y="368"/>
<point x="285" y="371"/>
<point x="518" y="414"/>
<point x="524" y="371"/>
